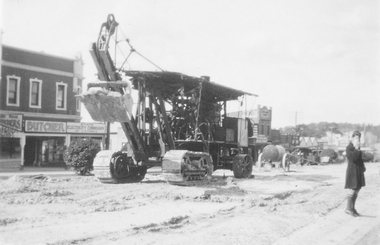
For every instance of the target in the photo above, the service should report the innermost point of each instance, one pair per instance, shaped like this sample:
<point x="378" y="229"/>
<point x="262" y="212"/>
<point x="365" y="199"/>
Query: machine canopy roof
<point x="173" y="83"/>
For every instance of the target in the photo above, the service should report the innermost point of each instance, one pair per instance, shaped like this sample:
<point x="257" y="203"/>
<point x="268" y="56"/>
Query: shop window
<point x="13" y="91"/>
<point x="53" y="150"/>
<point x="35" y="93"/>
<point x="99" y="140"/>
<point x="61" y="96"/>
<point x="10" y="148"/>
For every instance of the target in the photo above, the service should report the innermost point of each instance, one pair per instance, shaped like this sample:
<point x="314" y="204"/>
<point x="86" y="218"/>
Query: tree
<point x="288" y="130"/>
<point x="319" y="130"/>
<point x="80" y="155"/>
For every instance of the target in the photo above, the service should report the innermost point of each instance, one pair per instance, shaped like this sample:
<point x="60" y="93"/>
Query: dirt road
<point x="304" y="206"/>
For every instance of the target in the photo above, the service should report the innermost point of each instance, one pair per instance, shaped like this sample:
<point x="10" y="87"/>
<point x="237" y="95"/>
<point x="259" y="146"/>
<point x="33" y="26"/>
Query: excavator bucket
<point x="107" y="106"/>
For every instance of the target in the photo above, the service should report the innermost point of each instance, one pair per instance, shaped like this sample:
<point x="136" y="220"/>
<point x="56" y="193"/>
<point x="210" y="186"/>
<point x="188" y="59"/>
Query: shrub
<point x="80" y="155"/>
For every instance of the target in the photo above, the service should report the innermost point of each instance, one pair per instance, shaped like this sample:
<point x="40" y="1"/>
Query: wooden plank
<point x="134" y="137"/>
<point x="166" y="122"/>
<point x="108" y="65"/>
<point x="158" y="113"/>
<point x="98" y="66"/>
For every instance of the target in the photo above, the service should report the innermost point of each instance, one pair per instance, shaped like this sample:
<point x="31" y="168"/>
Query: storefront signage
<point x="45" y="127"/>
<point x="9" y="133"/>
<point x="97" y="128"/>
<point x="261" y="138"/>
<point x="255" y="130"/>
<point x="11" y="121"/>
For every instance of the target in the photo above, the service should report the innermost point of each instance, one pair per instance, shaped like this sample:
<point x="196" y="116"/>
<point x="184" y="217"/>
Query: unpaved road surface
<point x="303" y="206"/>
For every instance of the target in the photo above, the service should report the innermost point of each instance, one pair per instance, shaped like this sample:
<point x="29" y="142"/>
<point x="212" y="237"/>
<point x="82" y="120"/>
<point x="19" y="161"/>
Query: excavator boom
<point x="178" y="122"/>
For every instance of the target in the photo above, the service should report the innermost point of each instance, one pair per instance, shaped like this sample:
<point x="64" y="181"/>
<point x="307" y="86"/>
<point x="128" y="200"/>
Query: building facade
<point x="39" y="110"/>
<point x="262" y="124"/>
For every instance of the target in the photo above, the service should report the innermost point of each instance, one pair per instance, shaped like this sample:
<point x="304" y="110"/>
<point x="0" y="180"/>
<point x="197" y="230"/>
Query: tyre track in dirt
<point x="274" y="207"/>
<point x="254" y="205"/>
<point x="340" y="228"/>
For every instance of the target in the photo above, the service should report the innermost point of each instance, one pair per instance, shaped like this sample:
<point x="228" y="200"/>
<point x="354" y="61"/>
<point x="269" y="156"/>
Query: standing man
<point x="355" y="173"/>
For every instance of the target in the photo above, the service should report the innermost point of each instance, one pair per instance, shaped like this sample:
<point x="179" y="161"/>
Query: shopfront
<point x="28" y="143"/>
<point x="95" y="131"/>
<point x="47" y="141"/>
<point x="11" y="140"/>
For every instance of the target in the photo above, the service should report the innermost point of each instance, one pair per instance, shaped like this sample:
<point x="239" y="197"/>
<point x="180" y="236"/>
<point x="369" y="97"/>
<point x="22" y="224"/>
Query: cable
<point x="252" y="109"/>
<point x="134" y="50"/>
<point x="125" y="60"/>
<point x="131" y="51"/>
<point x="120" y="50"/>
<point x="150" y="61"/>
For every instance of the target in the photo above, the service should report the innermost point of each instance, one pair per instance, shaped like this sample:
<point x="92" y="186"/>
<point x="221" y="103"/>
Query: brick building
<point x="262" y="124"/>
<point x="39" y="110"/>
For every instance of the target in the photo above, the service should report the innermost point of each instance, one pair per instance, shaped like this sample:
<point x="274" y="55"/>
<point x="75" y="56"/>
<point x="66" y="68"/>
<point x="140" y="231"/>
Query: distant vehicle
<point x="368" y="156"/>
<point x="328" y="156"/>
<point x="308" y="156"/>
<point x="314" y="157"/>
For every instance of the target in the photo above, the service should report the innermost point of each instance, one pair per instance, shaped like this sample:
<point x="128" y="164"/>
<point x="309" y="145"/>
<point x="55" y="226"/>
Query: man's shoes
<point x="356" y="212"/>
<point x="351" y="212"/>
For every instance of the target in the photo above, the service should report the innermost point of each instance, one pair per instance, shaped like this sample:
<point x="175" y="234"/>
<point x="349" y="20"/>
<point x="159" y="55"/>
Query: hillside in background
<point x="320" y="129"/>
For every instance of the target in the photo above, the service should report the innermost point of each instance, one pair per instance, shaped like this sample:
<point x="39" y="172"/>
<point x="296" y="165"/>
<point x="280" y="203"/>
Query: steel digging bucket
<point x="106" y="106"/>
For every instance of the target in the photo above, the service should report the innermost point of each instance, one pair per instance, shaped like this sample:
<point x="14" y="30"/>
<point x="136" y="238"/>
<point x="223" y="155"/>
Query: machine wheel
<point x="120" y="166"/>
<point x="286" y="161"/>
<point x="138" y="173"/>
<point x="124" y="170"/>
<point x="182" y="167"/>
<point x="242" y="166"/>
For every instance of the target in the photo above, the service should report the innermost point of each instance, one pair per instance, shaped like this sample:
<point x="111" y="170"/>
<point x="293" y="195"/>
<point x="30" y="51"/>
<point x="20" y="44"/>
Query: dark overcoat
<point x="355" y="168"/>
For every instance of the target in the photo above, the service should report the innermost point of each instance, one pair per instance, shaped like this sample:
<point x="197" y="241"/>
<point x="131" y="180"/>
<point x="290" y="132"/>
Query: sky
<point x="310" y="61"/>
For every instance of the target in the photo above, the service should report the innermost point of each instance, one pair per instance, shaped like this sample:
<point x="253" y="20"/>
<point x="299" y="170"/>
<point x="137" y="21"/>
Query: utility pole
<point x="363" y="137"/>
<point x="295" y="126"/>
<point x="294" y="136"/>
<point x="331" y="134"/>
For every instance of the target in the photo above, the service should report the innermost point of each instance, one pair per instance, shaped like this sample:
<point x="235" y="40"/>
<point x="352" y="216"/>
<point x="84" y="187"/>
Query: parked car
<point x="328" y="156"/>
<point x="367" y="156"/>
<point x="314" y="158"/>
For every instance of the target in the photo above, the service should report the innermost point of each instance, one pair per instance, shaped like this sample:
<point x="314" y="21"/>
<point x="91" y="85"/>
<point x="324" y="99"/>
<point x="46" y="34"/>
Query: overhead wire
<point x="252" y="109"/>
<point x="126" y="59"/>
<point x="150" y="61"/>
<point x="120" y="50"/>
